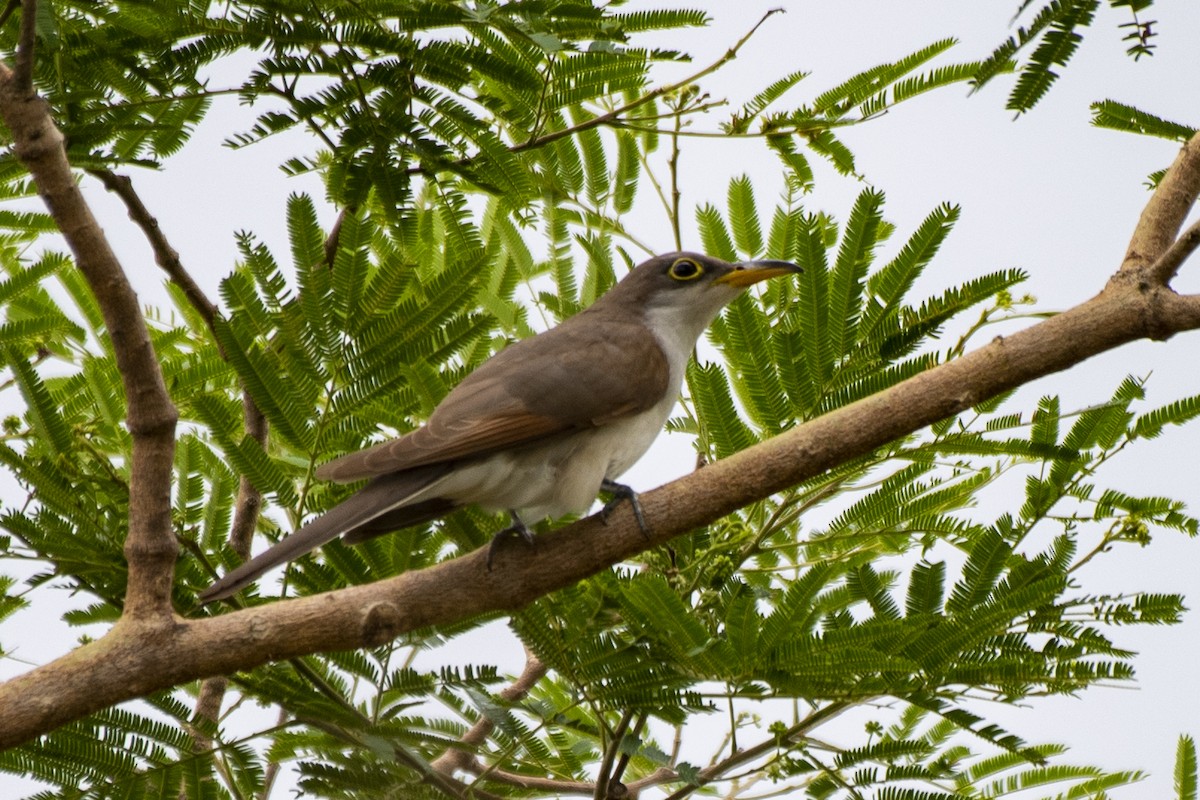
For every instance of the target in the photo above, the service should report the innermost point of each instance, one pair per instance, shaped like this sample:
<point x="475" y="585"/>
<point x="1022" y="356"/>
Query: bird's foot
<point x="518" y="527"/>
<point x="619" y="492"/>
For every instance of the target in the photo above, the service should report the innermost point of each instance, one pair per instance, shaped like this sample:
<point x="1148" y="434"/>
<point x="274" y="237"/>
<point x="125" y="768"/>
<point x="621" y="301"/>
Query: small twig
<point x="739" y="757"/>
<point x="166" y="256"/>
<point x="673" y="169"/>
<point x="610" y="755"/>
<point x="460" y="757"/>
<point x="444" y="783"/>
<point x="612" y="116"/>
<point x="208" y="710"/>
<point x="272" y="770"/>
<point x="335" y="235"/>
<point x="623" y="761"/>
<point x="23" y="63"/>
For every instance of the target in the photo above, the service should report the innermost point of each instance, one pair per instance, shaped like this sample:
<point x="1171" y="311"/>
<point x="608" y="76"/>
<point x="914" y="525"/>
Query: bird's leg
<point x="518" y="527"/>
<point x="619" y="492"/>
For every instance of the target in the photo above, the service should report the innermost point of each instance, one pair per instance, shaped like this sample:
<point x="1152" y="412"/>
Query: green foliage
<point x="483" y="179"/>
<point x="1185" y="769"/>
<point x="862" y="97"/>
<point x="1054" y="34"/>
<point x="1121" y="117"/>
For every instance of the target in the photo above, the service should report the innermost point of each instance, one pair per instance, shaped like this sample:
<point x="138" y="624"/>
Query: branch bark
<point x="150" y="547"/>
<point x="249" y="498"/>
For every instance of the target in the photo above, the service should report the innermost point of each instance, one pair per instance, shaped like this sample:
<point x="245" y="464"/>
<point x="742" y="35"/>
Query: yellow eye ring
<point x="685" y="269"/>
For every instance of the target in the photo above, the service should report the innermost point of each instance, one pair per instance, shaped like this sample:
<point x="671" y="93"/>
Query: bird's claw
<point x="619" y="492"/>
<point x="518" y="527"/>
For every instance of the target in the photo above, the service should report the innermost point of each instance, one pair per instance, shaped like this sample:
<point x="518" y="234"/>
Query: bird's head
<point x="690" y="288"/>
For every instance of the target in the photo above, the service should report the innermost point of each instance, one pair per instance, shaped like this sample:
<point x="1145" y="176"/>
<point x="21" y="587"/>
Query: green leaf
<point x="847" y="279"/>
<point x="743" y="217"/>
<point x="1185" y="769"/>
<point x="42" y="411"/>
<point x="1121" y="117"/>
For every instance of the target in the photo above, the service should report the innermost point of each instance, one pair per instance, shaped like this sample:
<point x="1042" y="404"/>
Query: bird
<point x="542" y="427"/>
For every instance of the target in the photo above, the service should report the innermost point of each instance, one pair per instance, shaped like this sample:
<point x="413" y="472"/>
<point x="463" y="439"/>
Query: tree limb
<point x="120" y="666"/>
<point x="1166" y="210"/>
<point x="249" y="498"/>
<point x="166" y="256"/>
<point x="150" y="547"/>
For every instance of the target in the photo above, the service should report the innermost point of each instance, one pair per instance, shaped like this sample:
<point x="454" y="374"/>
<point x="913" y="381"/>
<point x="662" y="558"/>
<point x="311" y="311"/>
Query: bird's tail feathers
<point x="379" y="498"/>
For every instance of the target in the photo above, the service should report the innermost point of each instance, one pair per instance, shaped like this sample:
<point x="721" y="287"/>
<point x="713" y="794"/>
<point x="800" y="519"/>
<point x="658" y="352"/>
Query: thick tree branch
<point x="150" y="546"/>
<point x="120" y="666"/>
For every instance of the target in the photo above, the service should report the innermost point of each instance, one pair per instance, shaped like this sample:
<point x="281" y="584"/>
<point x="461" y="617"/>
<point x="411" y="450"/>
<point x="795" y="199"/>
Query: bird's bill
<point x="751" y="272"/>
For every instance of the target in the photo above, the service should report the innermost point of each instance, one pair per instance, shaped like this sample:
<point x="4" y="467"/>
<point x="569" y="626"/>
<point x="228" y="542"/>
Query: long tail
<point x="383" y="497"/>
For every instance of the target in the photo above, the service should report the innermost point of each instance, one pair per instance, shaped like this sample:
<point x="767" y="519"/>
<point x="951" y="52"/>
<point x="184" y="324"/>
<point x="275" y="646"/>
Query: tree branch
<point x="166" y="256"/>
<point x="614" y="116"/>
<point x="249" y="498"/>
<point x="460" y="757"/>
<point x="119" y="667"/>
<point x="1165" y="268"/>
<point x="26" y="43"/>
<point x="1166" y="211"/>
<point x="714" y="772"/>
<point x="150" y="547"/>
<point x="249" y="502"/>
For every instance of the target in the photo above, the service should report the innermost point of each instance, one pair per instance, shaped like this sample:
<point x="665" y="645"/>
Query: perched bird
<point x="545" y="424"/>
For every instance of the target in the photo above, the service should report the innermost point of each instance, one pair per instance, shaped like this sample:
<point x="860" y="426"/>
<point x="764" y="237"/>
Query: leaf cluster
<point x="1051" y="37"/>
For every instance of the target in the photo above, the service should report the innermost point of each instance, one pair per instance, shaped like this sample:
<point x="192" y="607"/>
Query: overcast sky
<point x="1047" y="193"/>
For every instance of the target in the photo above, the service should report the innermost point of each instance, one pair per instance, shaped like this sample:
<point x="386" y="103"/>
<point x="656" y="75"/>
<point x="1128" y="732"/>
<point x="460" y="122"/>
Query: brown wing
<point x="590" y="370"/>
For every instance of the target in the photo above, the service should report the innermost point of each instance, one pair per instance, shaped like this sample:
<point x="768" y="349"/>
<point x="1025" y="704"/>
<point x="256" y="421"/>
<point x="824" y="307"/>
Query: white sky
<point x="1047" y="193"/>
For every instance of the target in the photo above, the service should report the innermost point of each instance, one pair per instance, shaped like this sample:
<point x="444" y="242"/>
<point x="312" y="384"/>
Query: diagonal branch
<point x="150" y="547"/>
<point x="119" y="667"/>
<point x="1168" y="264"/>
<point x="249" y="502"/>
<point x="460" y="757"/>
<point x="166" y="256"/>
<point x="1166" y="211"/>
<point x="716" y="771"/>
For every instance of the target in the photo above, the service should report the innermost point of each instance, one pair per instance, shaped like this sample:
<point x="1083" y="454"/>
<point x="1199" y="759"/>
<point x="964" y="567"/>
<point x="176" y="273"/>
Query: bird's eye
<point x="685" y="270"/>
